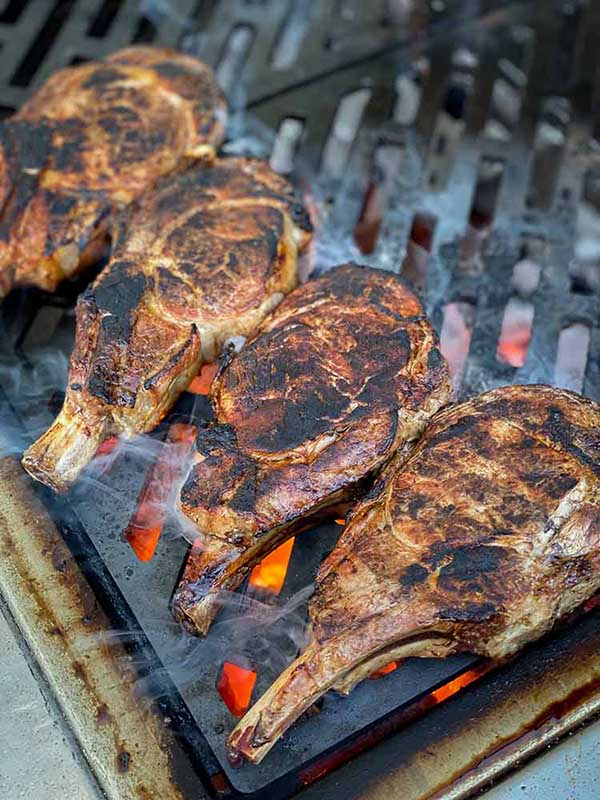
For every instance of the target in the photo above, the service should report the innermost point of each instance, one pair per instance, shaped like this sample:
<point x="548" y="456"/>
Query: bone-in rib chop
<point x="479" y="542"/>
<point x="204" y="257"/>
<point x="345" y="372"/>
<point x="89" y="141"/>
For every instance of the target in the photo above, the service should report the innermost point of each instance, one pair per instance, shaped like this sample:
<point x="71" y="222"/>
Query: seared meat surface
<point x="343" y="374"/>
<point x="479" y="542"/>
<point x="202" y="258"/>
<point x="89" y="141"/>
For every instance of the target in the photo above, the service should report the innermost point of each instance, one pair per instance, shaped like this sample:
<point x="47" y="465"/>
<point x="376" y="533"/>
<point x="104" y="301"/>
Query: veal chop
<point x="91" y="140"/>
<point x="479" y="542"/>
<point x="343" y="374"/>
<point x="202" y="258"/>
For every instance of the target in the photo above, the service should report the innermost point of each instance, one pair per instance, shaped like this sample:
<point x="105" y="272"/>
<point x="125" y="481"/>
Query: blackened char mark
<point x="474" y="568"/>
<point x="153" y="380"/>
<point x="102" y="77"/>
<point x="101" y="385"/>
<point x="470" y="612"/>
<point x="301" y="217"/>
<point x="169" y="69"/>
<point x="417" y="502"/>
<point x="244" y="499"/>
<point x="26" y="149"/>
<point x="71" y="142"/>
<point x="215" y="437"/>
<point x="64" y="225"/>
<point x="456" y="430"/>
<point x="116" y="297"/>
<point x="413" y="575"/>
<point x="30" y="143"/>
<point x="218" y="475"/>
<point x="434" y="359"/>
<point x="558" y="428"/>
<point x="59" y="205"/>
<point x="554" y="485"/>
<point x="118" y="293"/>
<point x="272" y="237"/>
<point x="190" y="592"/>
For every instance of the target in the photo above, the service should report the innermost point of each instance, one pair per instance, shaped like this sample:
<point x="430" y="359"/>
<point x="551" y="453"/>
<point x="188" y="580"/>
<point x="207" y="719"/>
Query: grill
<point x="456" y="142"/>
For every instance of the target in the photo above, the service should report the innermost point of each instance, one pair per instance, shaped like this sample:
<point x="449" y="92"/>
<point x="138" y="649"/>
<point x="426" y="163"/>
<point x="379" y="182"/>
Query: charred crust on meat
<point x="434" y="359"/>
<point x="172" y="362"/>
<point x="215" y="437"/>
<point x="244" y="499"/>
<point x="102" y="76"/>
<point x="28" y="144"/>
<point x="170" y="69"/>
<point x="471" y="567"/>
<point x="60" y="204"/>
<point x="414" y="575"/>
<point x="120" y="290"/>
<point x="555" y="486"/>
<point x="116" y="297"/>
<point x="101" y="385"/>
<point x="456" y="429"/>
<point x="416" y="504"/>
<point x="469" y="612"/>
<point x="68" y="157"/>
<point x="561" y="431"/>
<point x="301" y="217"/>
<point x="170" y="284"/>
<point x="26" y="149"/>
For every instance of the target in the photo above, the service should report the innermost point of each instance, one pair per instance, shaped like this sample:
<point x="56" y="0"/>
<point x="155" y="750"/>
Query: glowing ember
<point x="235" y="686"/>
<point x="145" y="526"/>
<point x="385" y="670"/>
<point x="455" y="338"/>
<point x="270" y="574"/>
<point x="108" y="446"/>
<point x="516" y="333"/>
<point x="203" y="380"/>
<point x="341" y="521"/>
<point x="454" y="686"/>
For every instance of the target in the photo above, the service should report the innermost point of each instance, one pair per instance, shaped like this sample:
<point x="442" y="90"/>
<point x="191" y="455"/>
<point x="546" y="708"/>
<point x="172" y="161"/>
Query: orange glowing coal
<point x="454" y="686"/>
<point x="514" y="351"/>
<point x="515" y="334"/>
<point x="203" y="380"/>
<point x="269" y="575"/>
<point x="385" y="670"/>
<point x="235" y="686"/>
<point x="108" y="446"/>
<point x="146" y="524"/>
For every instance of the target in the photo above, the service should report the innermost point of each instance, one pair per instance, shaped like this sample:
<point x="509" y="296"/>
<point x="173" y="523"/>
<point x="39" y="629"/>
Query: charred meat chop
<point x="343" y="374"/>
<point x="202" y="258"/>
<point x="479" y="542"/>
<point x="89" y="141"/>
